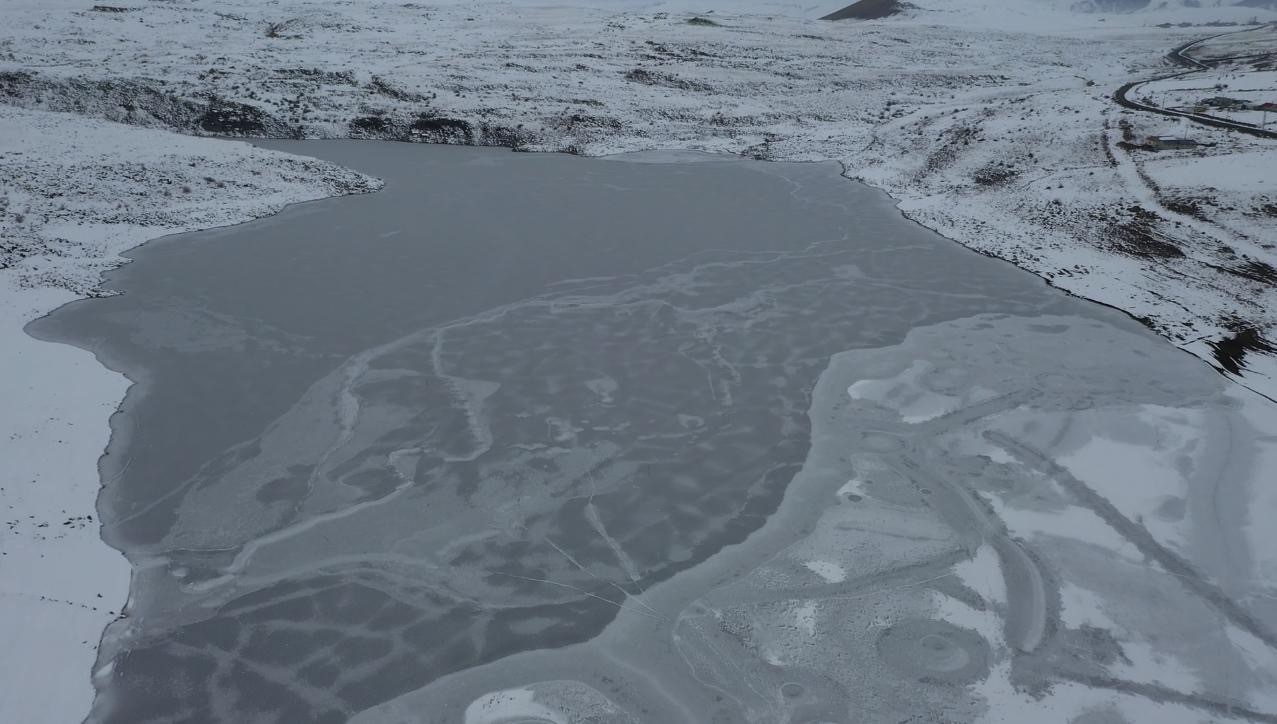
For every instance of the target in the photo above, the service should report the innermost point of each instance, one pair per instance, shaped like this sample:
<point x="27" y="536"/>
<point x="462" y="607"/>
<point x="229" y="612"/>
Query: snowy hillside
<point x="75" y="193"/>
<point x="994" y="124"/>
<point x="1006" y="140"/>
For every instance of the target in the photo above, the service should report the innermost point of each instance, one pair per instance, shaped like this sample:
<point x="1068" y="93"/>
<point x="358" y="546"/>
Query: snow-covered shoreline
<point x="993" y="126"/>
<point x="1002" y="137"/>
<point x="62" y="584"/>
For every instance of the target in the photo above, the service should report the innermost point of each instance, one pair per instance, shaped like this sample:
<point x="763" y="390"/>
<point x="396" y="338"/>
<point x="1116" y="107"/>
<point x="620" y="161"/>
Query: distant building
<point x="1161" y="143"/>
<point x="1225" y="103"/>
<point x="1269" y="107"/>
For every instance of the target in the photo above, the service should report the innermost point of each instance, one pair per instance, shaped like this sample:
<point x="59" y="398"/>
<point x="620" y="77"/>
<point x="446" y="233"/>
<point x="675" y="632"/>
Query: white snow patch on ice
<point x="983" y="574"/>
<point x="851" y="487"/>
<point x="805" y="617"/>
<point x="1261" y="509"/>
<point x="986" y="622"/>
<point x="1138" y="477"/>
<point x="1262" y="660"/>
<point x="511" y="705"/>
<point x="1147" y="664"/>
<point x="1065" y="701"/>
<point x="1082" y="607"/>
<point x="1071" y="522"/>
<point x="903" y="393"/>
<point x="830" y="571"/>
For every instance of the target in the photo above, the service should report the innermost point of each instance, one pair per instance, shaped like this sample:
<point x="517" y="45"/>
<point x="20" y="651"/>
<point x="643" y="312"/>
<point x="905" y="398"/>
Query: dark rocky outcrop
<point x="228" y="118"/>
<point x="145" y="102"/>
<point x="430" y="128"/>
<point x="141" y="102"/>
<point x="1230" y="352"/>
<point x="434" y="129"/>
<point x="667" y="80"/>
<point x="368" y="125"/>
<point x="869" y="10"/>
<point x="136" y="102"/>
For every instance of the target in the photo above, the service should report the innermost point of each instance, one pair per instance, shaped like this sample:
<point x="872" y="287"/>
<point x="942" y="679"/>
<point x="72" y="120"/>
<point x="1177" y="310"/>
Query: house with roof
<point x="1225" y="103"/>
<point x="1166" y="143"/>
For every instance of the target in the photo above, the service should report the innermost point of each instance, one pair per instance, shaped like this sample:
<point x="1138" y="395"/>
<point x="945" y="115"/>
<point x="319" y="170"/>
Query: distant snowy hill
<point x="1104" y="7"/>
<point x="1052" y="16"/>
<point x="869" y="9"/>
<point x="1035" y="16"/>
<point x="816" y="8"/>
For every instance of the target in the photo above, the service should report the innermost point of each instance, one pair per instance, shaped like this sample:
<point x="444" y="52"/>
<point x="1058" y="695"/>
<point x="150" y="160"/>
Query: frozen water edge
<point x="62" y="584"/>
<point x="993" y="126"/>
<point x="906" y="272"/>
<point x="907" y="395"/>
<point x="81" y="275"/>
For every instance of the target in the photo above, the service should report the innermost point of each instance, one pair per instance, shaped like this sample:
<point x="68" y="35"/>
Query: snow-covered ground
<point x="992" y="124"/>
<point x="79" y="192"/>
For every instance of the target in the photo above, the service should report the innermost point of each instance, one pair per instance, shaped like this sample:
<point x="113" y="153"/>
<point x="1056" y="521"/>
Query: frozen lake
<point x="535" y="438"/>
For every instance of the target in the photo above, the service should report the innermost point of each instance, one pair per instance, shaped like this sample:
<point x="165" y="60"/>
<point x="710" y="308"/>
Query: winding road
<point x="1180" y="56"/>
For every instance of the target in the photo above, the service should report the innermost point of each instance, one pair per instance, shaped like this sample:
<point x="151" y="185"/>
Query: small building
<point x="1225" y="103"/>
<point x="1165" y="143"/>
<point x="1266" y="107"/>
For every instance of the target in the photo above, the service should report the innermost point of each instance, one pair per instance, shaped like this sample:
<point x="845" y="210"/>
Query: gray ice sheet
<point x="383" y="449"/>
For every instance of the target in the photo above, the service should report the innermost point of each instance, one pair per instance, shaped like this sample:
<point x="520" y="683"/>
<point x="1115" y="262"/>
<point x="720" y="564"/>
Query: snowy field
<point x="71" y="211"/>
<point x="991" y="125"/>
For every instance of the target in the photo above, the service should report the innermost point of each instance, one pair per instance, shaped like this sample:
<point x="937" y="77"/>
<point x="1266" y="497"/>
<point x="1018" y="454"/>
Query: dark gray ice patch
<point x="1100" y="715"/>
<point x="1049" y="328"/>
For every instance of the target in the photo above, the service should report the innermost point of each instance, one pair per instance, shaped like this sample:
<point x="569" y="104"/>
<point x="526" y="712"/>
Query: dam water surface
<point x="535" y="438"/>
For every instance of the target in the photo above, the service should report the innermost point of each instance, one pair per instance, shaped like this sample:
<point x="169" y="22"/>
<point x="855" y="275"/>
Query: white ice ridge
<point x="510" y="705"/>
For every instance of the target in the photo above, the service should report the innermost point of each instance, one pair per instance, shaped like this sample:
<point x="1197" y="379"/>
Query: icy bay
<point x="539" y="438"/>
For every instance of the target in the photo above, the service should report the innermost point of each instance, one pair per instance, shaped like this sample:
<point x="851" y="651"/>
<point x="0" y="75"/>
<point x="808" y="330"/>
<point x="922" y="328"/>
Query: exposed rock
<point x="430" y="129"/>
<point x="869" y="10"/>
<point x="227" y="118"/>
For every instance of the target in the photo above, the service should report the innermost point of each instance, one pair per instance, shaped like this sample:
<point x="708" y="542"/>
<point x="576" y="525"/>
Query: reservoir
<point x="654" y="438"/>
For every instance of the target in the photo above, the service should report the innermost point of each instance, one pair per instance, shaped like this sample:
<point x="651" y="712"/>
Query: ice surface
<point x="61" y="584"/>
<point x="992" y="122"/>
<point x="925" y="622"/>
<point x="778" y="87"/>
<point x="604" y="466"/>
